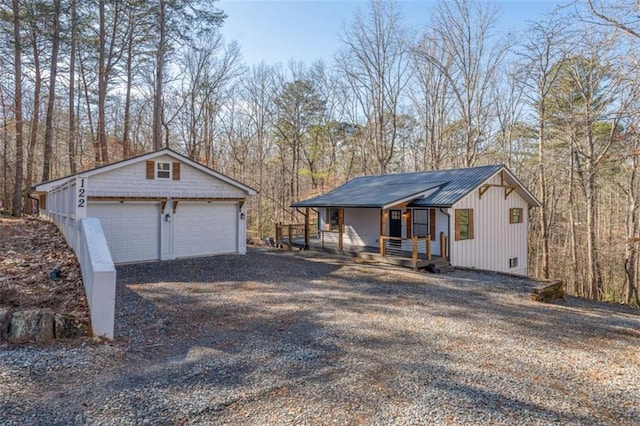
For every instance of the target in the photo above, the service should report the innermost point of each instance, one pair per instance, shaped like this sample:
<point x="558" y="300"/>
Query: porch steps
<point x="439" y="266"/>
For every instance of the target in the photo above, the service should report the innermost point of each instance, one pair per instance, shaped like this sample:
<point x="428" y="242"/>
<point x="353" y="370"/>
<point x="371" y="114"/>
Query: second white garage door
<point x="201" y="228"/>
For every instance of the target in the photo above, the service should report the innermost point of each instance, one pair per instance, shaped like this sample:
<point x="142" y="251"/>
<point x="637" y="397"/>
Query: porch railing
<point x="289" y="231"/>
<point x="419" y="247"/>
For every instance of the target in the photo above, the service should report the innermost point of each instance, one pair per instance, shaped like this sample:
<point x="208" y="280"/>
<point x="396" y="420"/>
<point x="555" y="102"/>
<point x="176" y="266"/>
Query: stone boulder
<point x="68" y="327"/>
<point x="32" y="324"/>
<point x="5" y="321"/>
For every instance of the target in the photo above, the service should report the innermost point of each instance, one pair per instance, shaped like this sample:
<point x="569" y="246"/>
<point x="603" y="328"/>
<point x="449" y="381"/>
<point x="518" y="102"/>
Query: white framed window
<point x="513" y="262"/>
<point x="420" y="222"/>
<point x="163" y="170"/>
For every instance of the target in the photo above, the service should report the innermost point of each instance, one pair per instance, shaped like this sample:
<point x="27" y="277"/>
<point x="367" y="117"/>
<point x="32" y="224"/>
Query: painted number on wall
<point x="82" y="196"/>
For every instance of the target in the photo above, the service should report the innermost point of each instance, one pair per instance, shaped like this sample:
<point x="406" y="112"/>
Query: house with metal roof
<point x="473" y="217"/>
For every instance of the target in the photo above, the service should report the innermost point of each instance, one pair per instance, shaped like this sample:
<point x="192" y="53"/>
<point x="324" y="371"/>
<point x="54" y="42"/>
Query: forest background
<point x="86" y="83"/>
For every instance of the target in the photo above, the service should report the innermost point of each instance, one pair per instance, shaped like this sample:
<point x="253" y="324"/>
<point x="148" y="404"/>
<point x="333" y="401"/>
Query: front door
<point x="395" y="226"/>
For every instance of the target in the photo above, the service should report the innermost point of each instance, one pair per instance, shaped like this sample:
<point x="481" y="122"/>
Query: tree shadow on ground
<point x="239" y="328"/>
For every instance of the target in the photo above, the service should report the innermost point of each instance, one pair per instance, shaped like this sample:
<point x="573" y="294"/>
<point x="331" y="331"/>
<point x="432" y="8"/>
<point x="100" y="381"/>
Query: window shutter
<point x="151" y="169"/>
<point x="409" y="220"/>
<point x="176" y="171"/>
<point x="510" y="216"/>
<point x="471" y="224"/>
<point x="457" y="225"/>
<point x="432" y="224"/>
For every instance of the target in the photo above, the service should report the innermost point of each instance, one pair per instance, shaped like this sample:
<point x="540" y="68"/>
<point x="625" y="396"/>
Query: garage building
<point x="159" y="206"/>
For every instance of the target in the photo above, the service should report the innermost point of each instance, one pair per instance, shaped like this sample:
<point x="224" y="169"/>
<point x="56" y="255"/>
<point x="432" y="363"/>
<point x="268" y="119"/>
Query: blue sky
<point x="305" y="30"/>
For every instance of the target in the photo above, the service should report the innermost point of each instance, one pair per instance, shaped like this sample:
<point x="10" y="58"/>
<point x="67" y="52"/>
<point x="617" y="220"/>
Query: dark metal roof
<point x="438" y="188"/>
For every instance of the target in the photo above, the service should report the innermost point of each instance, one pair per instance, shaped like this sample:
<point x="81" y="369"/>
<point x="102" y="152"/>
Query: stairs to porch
<point x="439" y="265"/>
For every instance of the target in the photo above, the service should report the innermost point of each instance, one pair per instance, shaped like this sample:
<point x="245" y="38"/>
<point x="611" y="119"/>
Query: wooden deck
<point x="367" y="253"/>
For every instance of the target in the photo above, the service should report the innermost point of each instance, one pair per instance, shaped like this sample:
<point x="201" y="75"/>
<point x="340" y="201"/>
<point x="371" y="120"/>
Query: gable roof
<point x="47" y="186"/>
<point x="437" y="188"/>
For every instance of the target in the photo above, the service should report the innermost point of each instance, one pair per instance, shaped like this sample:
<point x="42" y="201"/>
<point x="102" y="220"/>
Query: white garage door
<point x="132" y="229"/>
<point x="202" y="228"/>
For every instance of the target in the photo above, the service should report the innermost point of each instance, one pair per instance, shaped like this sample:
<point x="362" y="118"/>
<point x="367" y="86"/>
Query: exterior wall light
<point x="167" y="217"/>
<point x="241" y="216"/>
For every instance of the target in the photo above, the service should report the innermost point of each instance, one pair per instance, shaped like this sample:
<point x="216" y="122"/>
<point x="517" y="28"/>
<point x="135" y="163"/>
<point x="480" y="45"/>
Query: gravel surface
<point x="305" y="338"/>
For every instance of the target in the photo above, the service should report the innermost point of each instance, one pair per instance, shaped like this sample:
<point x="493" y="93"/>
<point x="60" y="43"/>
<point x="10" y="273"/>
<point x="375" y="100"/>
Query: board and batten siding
<point x="131" y="181"/>
<point x="495" y="239"/>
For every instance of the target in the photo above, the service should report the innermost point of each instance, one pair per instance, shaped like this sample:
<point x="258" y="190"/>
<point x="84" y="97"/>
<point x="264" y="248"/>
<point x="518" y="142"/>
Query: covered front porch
<point x="405" y="235"/>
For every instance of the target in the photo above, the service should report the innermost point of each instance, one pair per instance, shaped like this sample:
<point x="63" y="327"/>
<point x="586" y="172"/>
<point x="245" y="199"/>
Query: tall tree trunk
<point x="35" y="119"/>
<point x="17" y="65"/>
<point x="72" y="89"/>
<point x="48" y="131"/>
<point x="102" y="87"/>
<point x="572" y="230"/>
<point x="157" y="98"/>
<point x="633" y="235"/>
<point x="6" y="195"/>
<point x="542" y="188"/>
<point x="127" y="101"/>
<point x="595" y="278"/>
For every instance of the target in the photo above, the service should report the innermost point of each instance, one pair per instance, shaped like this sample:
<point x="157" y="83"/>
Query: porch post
<point x="341" y="229"/>
<point x="382" y="221"/>
<point x="307" y="221"/>
<point x="443" y="245"/>
<point x="414" y="240"/>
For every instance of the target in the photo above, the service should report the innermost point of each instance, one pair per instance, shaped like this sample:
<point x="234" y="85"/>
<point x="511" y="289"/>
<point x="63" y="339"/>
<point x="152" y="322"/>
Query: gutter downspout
<point x="449" y="232"/>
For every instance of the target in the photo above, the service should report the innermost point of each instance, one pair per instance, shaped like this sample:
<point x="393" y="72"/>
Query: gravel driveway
<point x="304" y="338"/>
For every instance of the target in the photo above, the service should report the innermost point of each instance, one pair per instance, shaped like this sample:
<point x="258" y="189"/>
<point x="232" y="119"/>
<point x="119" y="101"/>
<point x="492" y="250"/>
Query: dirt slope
<point x="30" y="251"/>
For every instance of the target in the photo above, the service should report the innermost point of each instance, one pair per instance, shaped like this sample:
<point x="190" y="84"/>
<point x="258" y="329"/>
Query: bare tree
<point x="176" y="20"/>
<point x="463" y="28"/>
<point x="375" y="63"/>
<point x="542" y="58"/>
<point x="208" y="69"/>
<point x="73" y="44"/>
<point x="258" y="92"/>
<point x="622" y="14"/>
<point x="17" y="69"/>
<point x="432" y="98"/>
<point x="53" y="74"/>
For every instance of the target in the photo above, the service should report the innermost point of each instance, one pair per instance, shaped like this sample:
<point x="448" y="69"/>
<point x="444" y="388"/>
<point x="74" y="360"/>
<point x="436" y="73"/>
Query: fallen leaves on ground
<point x="38" y="269"/>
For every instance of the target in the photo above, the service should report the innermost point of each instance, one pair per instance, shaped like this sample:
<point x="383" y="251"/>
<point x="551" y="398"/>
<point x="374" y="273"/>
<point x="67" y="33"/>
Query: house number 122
<point x="82" y="197"/>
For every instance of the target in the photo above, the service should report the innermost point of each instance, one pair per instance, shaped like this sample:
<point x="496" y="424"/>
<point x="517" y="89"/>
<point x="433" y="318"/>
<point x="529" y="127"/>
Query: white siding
<point x="361" y="227"/>
<point x="495" y="239"/>
<point x="131" y="181"/>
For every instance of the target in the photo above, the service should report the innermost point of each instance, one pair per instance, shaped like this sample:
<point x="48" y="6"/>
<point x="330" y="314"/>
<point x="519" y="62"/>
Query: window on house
<point x="464" y="224"/>
<point x="420" y="222"/>
<point x="163" y="170"/>
<point x="515" y="215"/>
<point x="333" y="217"/>
<point x="513" y="262"/>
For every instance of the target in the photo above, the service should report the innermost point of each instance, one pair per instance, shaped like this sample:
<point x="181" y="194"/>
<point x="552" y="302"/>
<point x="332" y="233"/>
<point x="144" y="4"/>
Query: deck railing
<point x="419" y="247"/>
<point x="290" y="231"/>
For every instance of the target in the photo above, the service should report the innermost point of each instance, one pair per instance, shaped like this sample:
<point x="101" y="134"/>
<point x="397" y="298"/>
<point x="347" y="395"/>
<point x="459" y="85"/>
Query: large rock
<point x="68" y="327"/>
<point x="5" y="320"/>
<point x="33" y="324"/>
